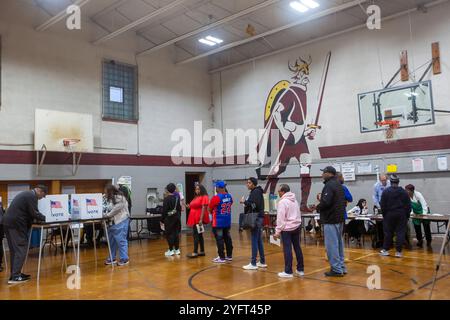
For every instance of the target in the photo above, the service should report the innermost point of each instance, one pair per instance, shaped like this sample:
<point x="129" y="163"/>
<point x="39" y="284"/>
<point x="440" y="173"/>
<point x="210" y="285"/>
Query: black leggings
<point x="198" y="239"/>
<point x="173" y="238"/>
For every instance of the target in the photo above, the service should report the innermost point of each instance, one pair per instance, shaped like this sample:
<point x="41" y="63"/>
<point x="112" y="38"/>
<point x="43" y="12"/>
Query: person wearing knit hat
<point x="396" y="209"/>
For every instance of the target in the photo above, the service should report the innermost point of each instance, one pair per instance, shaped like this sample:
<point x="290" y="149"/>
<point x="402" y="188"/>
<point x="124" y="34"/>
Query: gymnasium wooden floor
<point x="150" y="275"/>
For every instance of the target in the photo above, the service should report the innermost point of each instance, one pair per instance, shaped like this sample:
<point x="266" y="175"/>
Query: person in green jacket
<point x="419" y="206"/>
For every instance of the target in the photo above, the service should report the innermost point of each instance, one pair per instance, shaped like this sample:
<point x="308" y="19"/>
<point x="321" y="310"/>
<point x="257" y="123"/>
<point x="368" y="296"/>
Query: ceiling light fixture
<point x="298" y="6"/>
<point x="207" y="42"/>
<point x="310" y="3"/>
<point x="213" y="39"/>
<point x="210" y="41"/>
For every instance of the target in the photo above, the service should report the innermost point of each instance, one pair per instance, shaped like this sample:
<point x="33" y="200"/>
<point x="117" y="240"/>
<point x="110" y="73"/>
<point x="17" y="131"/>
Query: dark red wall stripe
<point x="373" y="148"/>
<point x="102" y="159"/>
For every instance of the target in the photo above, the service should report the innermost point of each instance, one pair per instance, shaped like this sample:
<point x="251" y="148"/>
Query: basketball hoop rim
<point x="393" y="124"/>
<point x="67" y="142"/>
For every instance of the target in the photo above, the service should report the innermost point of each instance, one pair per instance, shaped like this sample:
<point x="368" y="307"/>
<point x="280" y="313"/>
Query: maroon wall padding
<point x="373" y="148"/>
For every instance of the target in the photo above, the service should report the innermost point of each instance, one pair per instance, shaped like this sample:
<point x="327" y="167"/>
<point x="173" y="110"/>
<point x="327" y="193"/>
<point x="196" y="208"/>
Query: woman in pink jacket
<point x="288" y="228"/>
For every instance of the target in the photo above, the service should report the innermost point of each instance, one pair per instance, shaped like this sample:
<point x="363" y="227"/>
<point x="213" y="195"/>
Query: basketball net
<point x="390" y="130"/>
<point x="69" y="144"/>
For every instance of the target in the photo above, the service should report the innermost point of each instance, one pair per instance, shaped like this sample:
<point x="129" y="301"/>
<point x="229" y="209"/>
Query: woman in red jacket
<point x="198" y="216"/>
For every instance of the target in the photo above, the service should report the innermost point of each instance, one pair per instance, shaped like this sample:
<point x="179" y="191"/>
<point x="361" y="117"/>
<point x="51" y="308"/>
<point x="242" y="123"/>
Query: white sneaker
<point x="299" y="273"/>
<point x="250" y="267"/>
<point x="398" y="254"/>
<point x="169" y="253"/>
<point x="384" y="253"/>
<point x="177" y="252"/>
<point x="261" y="265"/>
<point x="285" y="275"/>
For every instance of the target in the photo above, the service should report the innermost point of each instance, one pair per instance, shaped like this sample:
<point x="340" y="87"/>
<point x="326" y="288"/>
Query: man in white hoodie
<point x="288" y="228"/>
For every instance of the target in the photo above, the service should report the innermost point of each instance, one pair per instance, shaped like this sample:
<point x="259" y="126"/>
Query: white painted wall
<point x="61" y="70"/>
<point x="242" y="91"/>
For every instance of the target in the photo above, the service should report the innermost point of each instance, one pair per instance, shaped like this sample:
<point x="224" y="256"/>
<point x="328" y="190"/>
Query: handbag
<point x="249" y="221"/>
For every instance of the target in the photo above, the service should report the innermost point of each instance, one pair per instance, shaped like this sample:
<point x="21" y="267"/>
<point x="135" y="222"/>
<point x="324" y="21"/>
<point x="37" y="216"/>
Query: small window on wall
<point x="119" y="92"/>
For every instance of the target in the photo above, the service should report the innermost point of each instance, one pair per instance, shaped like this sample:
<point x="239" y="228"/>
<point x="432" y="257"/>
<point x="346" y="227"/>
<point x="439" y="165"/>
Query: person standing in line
<point x="331" y="208"/>
<point x="119" y="220"/>
<point x="220" y="208"/>
<point x="171" y="220"/>
<point x="255" y="203"/>
<point x="382" y="184"/>
<point x="396" y="209"/>
<point x="419" y="206"/>
<point x="198" y="216"/>
<point x="17" y="222"/>
<point x="288" y="228"/>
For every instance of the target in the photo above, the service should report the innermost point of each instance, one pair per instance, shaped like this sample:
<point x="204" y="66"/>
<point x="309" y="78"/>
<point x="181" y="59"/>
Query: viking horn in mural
<point x="316" y="125"/>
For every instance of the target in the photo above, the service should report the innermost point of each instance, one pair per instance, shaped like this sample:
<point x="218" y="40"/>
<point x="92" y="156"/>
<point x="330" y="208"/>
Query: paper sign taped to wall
<point x="442" y="163"/>
<point x="392" y="168"/>
<point x="418" y="165"/>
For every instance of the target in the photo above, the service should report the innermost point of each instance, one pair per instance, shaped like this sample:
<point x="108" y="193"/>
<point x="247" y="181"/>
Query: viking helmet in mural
<point x="301" y="70"/>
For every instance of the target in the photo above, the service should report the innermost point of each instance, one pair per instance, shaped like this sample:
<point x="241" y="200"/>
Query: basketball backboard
<point x="53" y="128"/>
<point x="411" y="105"/>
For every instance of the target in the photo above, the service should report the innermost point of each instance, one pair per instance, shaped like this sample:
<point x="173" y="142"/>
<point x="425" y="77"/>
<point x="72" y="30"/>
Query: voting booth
<point x="86" y="206"/>
<point x="55" y="207"/>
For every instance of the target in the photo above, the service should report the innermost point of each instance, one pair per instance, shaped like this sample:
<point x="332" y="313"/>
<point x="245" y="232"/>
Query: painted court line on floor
<point x="280" y="280"/>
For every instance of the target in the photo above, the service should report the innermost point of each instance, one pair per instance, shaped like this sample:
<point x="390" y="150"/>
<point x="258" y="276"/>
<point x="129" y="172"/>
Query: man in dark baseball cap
<point x="329" y="169"/>
<point x="331" y="208"/>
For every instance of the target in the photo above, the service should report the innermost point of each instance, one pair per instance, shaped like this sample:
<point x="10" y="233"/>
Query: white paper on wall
<point x="442" y="163"/>
<point x="364" y="168"/>
<point x="417" y="165"/>
<point x="348" y="171"/>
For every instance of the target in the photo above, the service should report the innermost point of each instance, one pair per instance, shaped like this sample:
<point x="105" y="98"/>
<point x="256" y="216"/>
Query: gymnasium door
<point x="191" y="180"/>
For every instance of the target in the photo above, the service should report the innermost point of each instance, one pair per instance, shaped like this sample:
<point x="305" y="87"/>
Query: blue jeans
<point x="257" y="243"/>
<point x="334" y="245"/>
<point x="118" y="239"/>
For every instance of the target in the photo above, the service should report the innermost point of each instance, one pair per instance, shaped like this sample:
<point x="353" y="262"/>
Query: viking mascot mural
<point x="286" y="111"/>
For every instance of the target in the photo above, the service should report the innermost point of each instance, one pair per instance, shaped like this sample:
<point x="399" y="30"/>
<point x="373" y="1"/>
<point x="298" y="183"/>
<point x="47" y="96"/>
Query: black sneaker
<point x="26" y="276"/>
<point x="1" y="268"/>
<point x="17" y="279"/>
<point x="201" y="254"/>
<point x="123" y="262"/>
<point x="333" y="274"/>
<point x="420" y="244"/>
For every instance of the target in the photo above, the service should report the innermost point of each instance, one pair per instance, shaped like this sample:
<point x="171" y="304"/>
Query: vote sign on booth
<point x="55" y="207"/>
<point x="87" y="206"/>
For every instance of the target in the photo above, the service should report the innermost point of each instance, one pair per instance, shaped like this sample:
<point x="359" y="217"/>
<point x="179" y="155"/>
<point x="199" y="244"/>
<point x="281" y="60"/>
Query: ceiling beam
<point x="332" y="35"/>
<point x="210" y="26"/>
<point x="55" y="19"/>
<point x="139" y="21"/>
<point x="309" y="18"/>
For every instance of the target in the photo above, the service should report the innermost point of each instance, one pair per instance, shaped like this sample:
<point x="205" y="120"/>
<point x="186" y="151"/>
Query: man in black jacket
<point x="255" y="203"/>
<point x="396" y="209"/>
<point x="332" y="209"/>
<point x="17" y="222"/>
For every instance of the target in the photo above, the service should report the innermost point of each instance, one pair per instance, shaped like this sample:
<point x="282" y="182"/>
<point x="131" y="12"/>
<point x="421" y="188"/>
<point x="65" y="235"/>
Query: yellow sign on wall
<point x="391" y="168"/>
